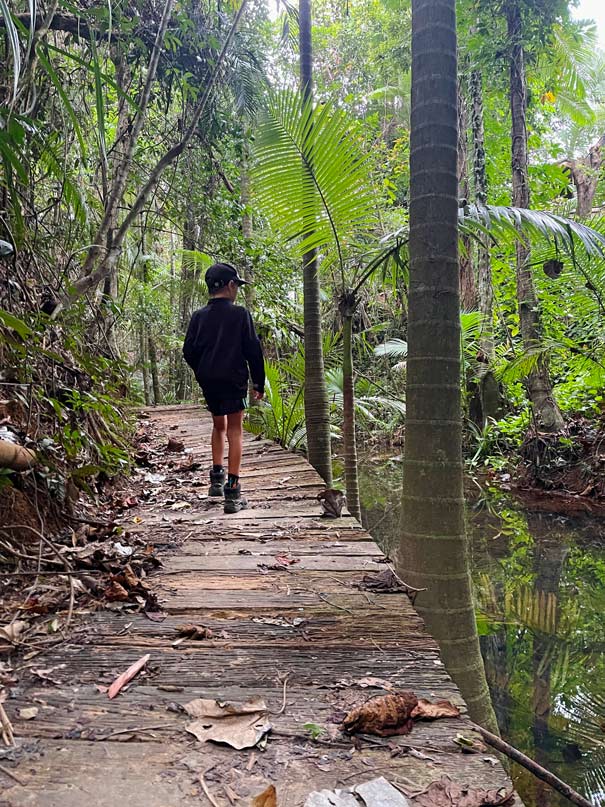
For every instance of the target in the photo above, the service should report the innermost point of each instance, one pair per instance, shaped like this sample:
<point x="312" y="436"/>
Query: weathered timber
<point x="277" y="586"/>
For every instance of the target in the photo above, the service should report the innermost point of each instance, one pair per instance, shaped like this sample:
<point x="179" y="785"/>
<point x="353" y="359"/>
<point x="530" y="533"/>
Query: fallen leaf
<point x="116" y="592"/>
<point x="175" y="445"/>
<point x="180" y="506"/>
<point x="28" y="713"/>
<point x="284" y="560"/>
<point x="386" y="582"/>
<point x="240" y="725"/>
<point x="268" y="798"/>
<point x="194" y="632"/>
<point x="127" y="676"/>
<point x="425" y="710"/>
<point x="446" y="793"/>
<point x="384" y="716"/>
<point x="13" y="630"/>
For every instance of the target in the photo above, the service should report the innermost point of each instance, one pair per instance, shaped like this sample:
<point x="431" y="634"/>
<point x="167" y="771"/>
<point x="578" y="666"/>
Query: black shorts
<point x="224" y="406"/>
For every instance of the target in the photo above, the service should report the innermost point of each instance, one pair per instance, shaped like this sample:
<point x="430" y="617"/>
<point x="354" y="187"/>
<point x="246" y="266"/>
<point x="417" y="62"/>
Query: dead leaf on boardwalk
<point x="446" y="793"/>
<point x="28" y="713"/>
<point x="284" y="560"/>
<point x="425" y="710"/>
<point x="12" y="632"/>
<point x="115" y="592"/>
<point x="240" y="725"/>
<point x="127" y="676"/>
<point x="175" y="445"/>
<point x="384" y="716"/>
<point x="385" y="582"/>
<point x="268" y="798"/>
<point x="394" y="714"/>
<point x="194" y="632"/>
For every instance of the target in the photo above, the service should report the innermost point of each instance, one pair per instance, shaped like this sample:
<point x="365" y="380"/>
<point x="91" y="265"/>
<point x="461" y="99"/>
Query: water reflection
<point x="540" y="594"/>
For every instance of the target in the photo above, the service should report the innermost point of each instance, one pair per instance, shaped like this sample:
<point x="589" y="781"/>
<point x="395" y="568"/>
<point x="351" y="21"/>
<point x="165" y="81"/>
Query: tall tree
<point x="539" y="386"/>
<point x="317" y="409"/>
<point x="433" y="550"/>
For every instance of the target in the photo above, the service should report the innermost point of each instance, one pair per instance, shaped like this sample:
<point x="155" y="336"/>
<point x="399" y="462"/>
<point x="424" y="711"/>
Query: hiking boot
<point x="234" y="501"/>
<point x="217" y="483"/>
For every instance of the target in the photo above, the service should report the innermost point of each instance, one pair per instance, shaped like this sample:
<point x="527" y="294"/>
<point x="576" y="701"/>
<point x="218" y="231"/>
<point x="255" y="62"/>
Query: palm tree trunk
<point x="347" y="308"/>
<point x="433" y="550"/>
<point x="317" y="409"/>
<point x="539" y="387"/>
<point x="490" y="396"/>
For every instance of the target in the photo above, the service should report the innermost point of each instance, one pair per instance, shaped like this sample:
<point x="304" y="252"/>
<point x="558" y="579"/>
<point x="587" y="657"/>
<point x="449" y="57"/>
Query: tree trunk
<point x="585" y="174"/>
<point x="433" y="550"/>
<point x="317" y="409"/>
<point x="538" y="382"/>
<point x="153" y="366"/>
<point x="347" y="308"/>
<point x="185" y="306"/>
<point x="468" y="286"/>
<point x="490" y="395"/>
<point x="144" y="367"/>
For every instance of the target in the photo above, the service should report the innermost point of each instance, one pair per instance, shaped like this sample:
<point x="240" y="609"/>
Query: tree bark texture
<point x="585" y="173"/>
<point x="347" y="307"/>
<point x="433" y="550"/>
<point x="538" y="382"/>
<point x="317" y="408"/>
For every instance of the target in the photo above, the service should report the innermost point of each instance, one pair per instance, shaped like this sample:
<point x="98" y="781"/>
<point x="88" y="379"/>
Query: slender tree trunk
<point x="538" y="382"/>
<point x="153" y="366"/>
<point x="185" y="297"/>
<point x="490" y="395"/>
<point x="317" y="408"/>
<point x="468" y="286"/>
<point x="244" y="197"/>
<point x="144" y="366"/>
<point x="433" y="551"/>
<point x="347" y="309"/>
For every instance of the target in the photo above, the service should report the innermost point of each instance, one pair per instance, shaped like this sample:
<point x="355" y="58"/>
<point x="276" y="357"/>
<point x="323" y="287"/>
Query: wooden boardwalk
<point x="302" y="637"/>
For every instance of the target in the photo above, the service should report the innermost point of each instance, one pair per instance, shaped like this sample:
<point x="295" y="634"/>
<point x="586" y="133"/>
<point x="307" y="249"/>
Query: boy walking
<point x="220" y="346"/>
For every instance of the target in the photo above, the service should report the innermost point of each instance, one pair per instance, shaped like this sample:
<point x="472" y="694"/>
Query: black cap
<point x="220" y="274"/>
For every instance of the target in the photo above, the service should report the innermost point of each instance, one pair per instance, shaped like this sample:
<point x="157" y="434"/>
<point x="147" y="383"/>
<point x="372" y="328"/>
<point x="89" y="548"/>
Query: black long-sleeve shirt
<point x="220" y="345"/>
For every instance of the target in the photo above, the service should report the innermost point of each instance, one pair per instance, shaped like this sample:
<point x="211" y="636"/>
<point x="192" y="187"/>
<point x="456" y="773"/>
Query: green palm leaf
<point x="329" y="203"/>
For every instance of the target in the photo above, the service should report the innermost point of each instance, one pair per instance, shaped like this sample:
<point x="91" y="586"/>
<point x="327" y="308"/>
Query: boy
<point x="221" y="344"/>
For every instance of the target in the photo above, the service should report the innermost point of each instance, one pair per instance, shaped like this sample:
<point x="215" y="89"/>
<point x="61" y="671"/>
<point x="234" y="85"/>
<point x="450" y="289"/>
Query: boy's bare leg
<point x="219" y="432"/>
<point x="236" y="439"/>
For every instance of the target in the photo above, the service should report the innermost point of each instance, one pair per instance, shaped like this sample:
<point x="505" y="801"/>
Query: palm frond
<point x="501" y="221"/>
<point x="324" y="204"/>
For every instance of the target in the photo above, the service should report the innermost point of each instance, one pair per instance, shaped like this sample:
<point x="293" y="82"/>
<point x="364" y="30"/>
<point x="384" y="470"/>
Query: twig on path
<point x="533" y="767"/>
<point x="11" y="775"/>
<point x="7" y="728"/>
<point x="139" y="728"/>
<point x="284" y="704"/>
<point x="333" y="604"/>
<point x="207" y="793"/>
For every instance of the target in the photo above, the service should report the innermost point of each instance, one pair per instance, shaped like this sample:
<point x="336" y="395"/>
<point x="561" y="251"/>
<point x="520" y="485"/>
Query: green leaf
<point x="15" y="324"/>
<point x="63" y="95"/>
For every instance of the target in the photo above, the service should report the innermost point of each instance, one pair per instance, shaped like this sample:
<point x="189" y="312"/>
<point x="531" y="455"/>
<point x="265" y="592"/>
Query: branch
<point x="537" y="770"/>
<point x="91" y="279"/>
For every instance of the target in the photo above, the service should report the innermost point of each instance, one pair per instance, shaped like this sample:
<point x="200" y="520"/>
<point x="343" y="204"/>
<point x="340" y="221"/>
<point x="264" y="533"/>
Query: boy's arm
<point x="253" y="352"/>
<point x="189" y="347"/>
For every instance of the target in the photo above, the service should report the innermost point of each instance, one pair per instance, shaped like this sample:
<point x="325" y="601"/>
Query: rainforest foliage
<point x="141" y="141"/>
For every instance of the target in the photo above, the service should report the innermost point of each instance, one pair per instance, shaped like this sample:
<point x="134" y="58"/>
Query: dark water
<point x="540" y="600"/>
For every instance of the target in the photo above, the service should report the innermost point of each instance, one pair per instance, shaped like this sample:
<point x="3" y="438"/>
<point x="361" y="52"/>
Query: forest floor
<point x="291" y="619"/>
